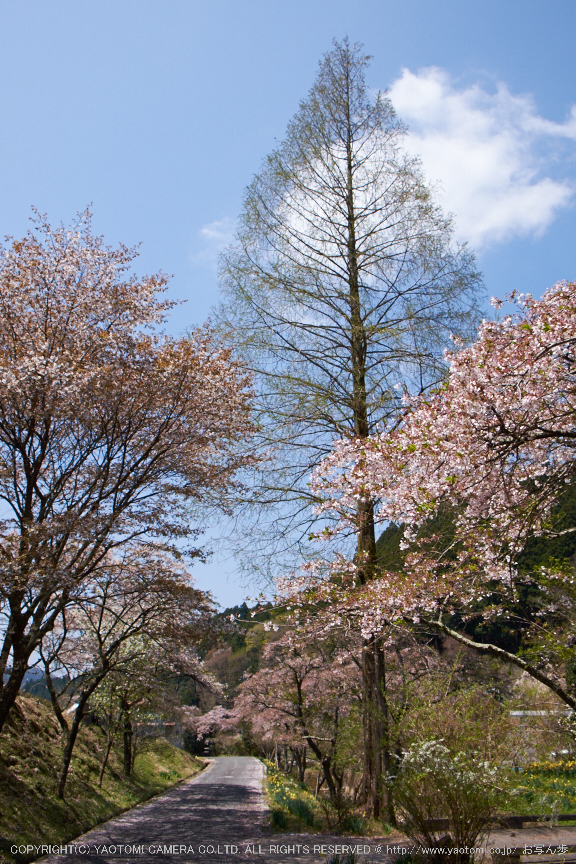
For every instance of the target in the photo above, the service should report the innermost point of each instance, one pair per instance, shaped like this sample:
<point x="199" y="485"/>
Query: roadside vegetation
<point x="291" y="804"/>
<point x="453" y="714"/>
<point x="295" y="808"/>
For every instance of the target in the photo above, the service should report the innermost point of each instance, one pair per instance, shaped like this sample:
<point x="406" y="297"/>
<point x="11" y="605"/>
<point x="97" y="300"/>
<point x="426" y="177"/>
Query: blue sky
<point x="159" y="112"/>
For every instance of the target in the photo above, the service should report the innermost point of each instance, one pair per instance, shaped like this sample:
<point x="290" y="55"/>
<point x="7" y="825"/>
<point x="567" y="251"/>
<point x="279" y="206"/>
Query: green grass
<point x="30" y="752"/>
<point x="544" y="788"/>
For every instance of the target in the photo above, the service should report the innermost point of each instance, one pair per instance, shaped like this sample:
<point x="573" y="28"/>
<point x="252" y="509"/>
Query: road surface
<point x="199" y="820"/>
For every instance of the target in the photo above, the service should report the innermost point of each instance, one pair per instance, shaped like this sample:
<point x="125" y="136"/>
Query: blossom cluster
<point x="494" y="445"/>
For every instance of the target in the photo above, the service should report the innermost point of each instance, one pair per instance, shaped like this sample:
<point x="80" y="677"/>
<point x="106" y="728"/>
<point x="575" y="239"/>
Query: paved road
<point x="213" y="817"/>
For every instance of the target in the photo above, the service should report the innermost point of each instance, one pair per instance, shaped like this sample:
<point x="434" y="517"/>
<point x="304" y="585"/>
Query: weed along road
<point x="215" y="817"/>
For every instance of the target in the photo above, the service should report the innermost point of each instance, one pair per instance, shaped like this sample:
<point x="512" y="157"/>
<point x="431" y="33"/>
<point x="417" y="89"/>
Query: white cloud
<point x="488" y="152"/>
<point x="214" y="236"/>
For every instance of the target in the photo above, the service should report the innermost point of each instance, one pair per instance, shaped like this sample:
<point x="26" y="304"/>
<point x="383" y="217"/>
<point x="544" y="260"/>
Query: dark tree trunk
<point x="372" y="732"/>
<point x="70" y="740"/>
<point x="128" y="735"/>
<point x="10" y="689"/>
<point x="366" y="557"/>
<point x="105" y="759"/>
<point x="328" y="776"/>
<point x="378" y="757"/>
<point x="383" y="713"/>
<point x="300" y="759"/>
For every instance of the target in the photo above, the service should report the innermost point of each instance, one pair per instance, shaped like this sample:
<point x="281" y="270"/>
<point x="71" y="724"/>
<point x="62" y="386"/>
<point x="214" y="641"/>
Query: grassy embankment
<point x="30" y="752"/>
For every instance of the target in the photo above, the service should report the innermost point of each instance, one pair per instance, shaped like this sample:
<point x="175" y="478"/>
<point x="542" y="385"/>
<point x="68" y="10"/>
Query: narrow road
<point x="218" y="817"/>
<point x="214" y="817"/>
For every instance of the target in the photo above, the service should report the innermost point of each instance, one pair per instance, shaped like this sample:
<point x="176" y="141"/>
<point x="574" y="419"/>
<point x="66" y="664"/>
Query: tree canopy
<point x="495" y="444"/>
<point x="342" y="288"/>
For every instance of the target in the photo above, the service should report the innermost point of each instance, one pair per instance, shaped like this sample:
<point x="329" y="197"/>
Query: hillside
<point x="30" y="750"/>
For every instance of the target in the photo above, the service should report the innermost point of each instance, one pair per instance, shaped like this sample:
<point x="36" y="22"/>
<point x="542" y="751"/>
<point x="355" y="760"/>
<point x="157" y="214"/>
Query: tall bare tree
<point x="343" y="288"/>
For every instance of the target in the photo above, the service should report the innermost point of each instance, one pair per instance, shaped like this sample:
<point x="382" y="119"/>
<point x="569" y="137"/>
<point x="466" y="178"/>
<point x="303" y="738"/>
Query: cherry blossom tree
<point x="300" y="696"/>
<point x="495" y="446"/>
<point x="138" y="615"/>
<point x="108" y="429"/>
<point x="306" y="684"/>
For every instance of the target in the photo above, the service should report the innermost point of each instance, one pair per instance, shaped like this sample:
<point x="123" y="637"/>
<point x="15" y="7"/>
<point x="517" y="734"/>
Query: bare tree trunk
<point x="105" y="759"/>
<point x="378" y="757"/>
<point x="329" y="777"/>
<point x="127" y="740"/>
<point x="10" y="689"/>
<point x="70" y="737"/>
<point x="55" y="704"/>
<point x="383" y="719"/>
<point x="288" y="762"/>
<point x="372" y="731"/>
<point x="366" y="557"/>
<point x="300" y="759"/>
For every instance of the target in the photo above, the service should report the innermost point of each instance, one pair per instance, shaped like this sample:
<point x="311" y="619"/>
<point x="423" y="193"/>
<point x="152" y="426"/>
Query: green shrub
<point x="353" y="823"/>
<point x="435" y="782"/>
<point x="278" y="818"/>
<point x="301" y="809"/>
